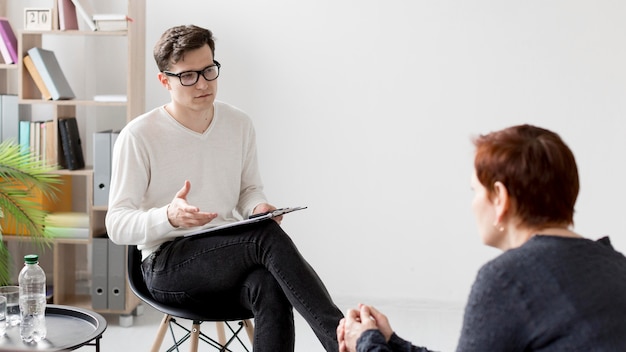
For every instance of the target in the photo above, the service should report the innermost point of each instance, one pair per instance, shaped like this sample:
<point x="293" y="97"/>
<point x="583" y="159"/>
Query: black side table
<point x="68" y="329"/>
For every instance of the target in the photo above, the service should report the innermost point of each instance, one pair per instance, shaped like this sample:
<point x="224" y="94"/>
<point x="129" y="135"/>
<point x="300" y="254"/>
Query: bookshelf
<point x="6" y="70"/>
<point x="64" y="249"/>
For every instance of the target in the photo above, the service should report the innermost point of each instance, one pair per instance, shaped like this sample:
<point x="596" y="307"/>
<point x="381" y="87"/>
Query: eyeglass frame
<point x="198" y="74"/>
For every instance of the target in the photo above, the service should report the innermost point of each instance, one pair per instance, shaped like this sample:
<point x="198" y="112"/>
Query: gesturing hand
<point x="182" y="214"/>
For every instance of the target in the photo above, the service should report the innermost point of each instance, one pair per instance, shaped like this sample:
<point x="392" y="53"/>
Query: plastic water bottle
<point x="32" y="282"/>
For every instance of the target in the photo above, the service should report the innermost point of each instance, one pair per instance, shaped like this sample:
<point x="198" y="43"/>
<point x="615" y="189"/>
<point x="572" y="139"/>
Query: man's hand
<point x="266" y="208"/>
<point x="182" y="214"/>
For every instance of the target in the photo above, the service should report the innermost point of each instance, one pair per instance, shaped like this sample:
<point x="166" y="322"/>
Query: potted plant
<point x="20" y="174"/>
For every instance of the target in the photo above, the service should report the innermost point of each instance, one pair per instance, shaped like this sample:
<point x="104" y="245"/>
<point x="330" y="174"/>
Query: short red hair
<point x="537" y="168"/>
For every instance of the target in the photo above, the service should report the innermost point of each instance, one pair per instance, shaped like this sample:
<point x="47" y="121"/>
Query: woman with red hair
<point x="550" y="289"/>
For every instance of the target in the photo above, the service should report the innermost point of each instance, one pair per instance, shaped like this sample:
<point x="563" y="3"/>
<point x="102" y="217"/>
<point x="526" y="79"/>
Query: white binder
<point x="101" y="167"/>
<point x="100" y="273"/>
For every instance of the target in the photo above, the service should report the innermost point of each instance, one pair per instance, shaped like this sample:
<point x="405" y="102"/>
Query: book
<point x="68" y="232"/>
<point x="4" y="53"/>
<point x="24" y="139"/>
<point x="67" y="15"/>
<point x="36" y="137"/>
<point x="50" y="71"/>
<point x="50" y="145"/>
<point x="34" y="74"/>
<point x="67" y="219"/>
<point x="43" y="140"/>
<point x="111" y="22"/>
<point x="84" y="9"/>
<point x="33" y="126"/>
<point x="70" y="144"/>
<point x="10" y="40"/>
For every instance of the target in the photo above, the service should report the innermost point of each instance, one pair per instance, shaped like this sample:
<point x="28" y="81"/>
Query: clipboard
<point x="252" y="219"/>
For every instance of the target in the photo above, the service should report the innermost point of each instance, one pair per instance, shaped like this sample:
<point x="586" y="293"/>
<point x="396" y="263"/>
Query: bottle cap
<point x="31" y="259"/>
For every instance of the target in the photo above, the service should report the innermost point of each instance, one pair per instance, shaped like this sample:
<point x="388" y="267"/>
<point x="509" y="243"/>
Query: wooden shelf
<point x="73" y="102"/>
<point x="78" y="33"/>
<point x="64" y="250"/>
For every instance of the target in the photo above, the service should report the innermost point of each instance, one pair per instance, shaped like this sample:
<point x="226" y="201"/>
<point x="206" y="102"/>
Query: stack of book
<point x="61" y="203"/>
<point x="68" y="224"/>
<point x="44" y="69"/>
<point x="8" y="42"/>
<point x="38" y="137"/>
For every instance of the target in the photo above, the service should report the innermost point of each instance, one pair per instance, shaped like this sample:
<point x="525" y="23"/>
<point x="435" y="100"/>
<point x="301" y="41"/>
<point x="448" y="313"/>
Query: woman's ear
<point x="501" y="201"/>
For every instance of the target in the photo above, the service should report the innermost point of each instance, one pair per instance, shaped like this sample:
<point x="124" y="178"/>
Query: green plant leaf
<point x="20" y="175"/>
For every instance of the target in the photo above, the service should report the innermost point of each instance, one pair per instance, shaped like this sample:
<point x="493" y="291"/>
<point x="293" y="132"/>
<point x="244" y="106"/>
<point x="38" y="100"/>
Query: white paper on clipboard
<point x="251" y="219"/>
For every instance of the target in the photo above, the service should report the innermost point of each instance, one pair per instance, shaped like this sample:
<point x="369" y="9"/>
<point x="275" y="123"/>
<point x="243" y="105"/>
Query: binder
<point x="100" y="273"/>
<point x="101" y="167"/>
<point x="70" y="144"/>
<point x="11" y="114"/>
<point x="117" y="276"/>
<point x="50" y="71"/>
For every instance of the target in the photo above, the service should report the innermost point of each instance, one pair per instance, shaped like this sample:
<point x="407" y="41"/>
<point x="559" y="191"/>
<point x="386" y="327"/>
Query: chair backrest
<point x="135" y="277"/>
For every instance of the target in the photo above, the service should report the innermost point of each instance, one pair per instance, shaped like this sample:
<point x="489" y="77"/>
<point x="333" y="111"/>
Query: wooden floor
<point x="432" y="324"/>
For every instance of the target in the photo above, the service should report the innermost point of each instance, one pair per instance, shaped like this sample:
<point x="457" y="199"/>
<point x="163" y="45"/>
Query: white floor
<point x="431" y="324"/>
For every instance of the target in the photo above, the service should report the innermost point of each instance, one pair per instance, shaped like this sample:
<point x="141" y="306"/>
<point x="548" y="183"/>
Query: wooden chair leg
<point x="221" y="334"/>
<point x="249" y="329"/>
<point x="195" y="336"/>
<point x="158" y="341"/>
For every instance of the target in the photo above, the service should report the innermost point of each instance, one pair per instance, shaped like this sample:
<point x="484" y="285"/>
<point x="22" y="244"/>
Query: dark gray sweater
<point x="551" y="294"/>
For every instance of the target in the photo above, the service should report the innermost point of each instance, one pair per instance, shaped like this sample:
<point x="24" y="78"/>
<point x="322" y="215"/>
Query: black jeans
<point x="255" y="267"/>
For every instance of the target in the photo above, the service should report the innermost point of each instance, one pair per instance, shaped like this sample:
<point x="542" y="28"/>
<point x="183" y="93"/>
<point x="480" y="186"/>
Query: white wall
<point x="364" y="111"/>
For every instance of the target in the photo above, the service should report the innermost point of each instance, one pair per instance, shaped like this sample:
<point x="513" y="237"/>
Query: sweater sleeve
<point x="374" y="341"/>
<point x="126" y="221"/>
<point x="495" y="312"/>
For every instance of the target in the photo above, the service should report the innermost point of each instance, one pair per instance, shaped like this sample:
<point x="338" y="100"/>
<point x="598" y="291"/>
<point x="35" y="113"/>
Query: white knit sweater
<point x="154" y="155"/>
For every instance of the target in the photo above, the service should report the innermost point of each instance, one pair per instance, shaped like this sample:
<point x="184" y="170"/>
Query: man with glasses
<point x="193" y="162"/>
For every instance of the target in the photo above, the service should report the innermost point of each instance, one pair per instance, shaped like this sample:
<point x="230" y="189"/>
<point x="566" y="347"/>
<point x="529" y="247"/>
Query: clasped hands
<point x="357" y="321"/>
<point x="184" y="215"/>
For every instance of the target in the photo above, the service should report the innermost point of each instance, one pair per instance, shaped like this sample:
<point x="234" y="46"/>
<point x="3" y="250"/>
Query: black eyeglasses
<point x="189" y="78"/>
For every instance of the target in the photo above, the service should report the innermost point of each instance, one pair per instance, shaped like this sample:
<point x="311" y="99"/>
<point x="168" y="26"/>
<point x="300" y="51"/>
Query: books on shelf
<point x="70" y="144"/>
<point x="67" y="219"/>
<point x="68" y="232"/>
<point x="38" y="137"/>
<point x="67" y="15"/>
<point x="46" y="63"/>
<point x="68" y="224"/>
<point x="85" y="10"/>
<point x="34" y="74"/>
<point x="9" y="42"/>
<point x="111" y="22"/>
<point x="61" y="203"/>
